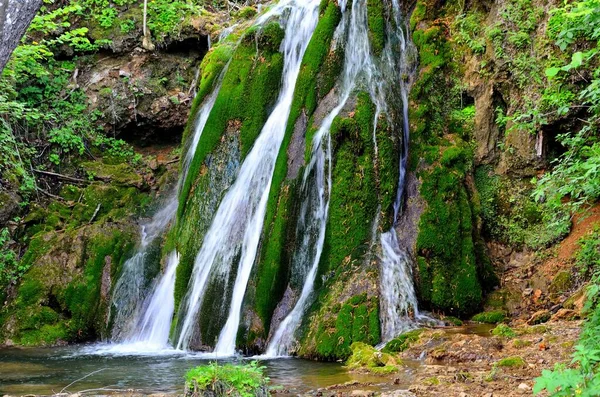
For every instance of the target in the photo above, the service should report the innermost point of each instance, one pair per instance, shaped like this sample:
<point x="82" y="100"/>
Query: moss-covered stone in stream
<point x="402" y="342"/>
<point x="248" y="91"/>
<point x="366" y="358"/>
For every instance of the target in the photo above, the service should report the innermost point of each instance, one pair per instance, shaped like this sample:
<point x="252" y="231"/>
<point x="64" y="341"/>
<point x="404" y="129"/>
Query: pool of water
<point x="49" y="370"/>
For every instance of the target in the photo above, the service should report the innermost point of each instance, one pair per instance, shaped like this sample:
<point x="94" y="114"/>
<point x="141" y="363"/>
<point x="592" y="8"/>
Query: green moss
<point x="402" y="342"/>
<point x="457" y="322"/>
<point x="504" y="330"/>
<point x="511" y="362"/>
<point x="352" y="323"/>
<point x="377" y="25"/>
<point x="273" y="266"/>
<point x="365" y="357"/>
<point x="519" y="343"/>
<point x="493" y="317"/>
<point x="448" y="269"/>
<point x="353" y="204"/>
<point x="248" y="90"/>
<point x="562" y="282"/>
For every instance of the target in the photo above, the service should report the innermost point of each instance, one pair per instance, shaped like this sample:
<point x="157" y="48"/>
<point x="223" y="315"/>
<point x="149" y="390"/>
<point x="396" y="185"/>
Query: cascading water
<point x="314" y="211"/>
<point x="143" y="323"/>
<point x="130" y="289"/>
<point x="237" y="225"/>
<point x="399" y="310"/>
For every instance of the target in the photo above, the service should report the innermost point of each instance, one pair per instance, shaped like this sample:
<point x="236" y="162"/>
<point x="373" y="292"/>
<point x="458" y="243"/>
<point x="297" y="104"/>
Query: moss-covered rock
<point x="492" y="317"/>
<point x="402" y="342"/>
<point x="65" y="294"/>
<point x="366" y="358"/>
<point x="318" y="72"/>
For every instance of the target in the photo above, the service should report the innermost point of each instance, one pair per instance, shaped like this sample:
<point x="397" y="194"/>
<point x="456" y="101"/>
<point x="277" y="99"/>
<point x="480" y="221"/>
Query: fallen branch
<point x="54" y="196"/>
<point x="61" y="176"/>
<point x="172" y="161"/>
<point x="95" y="213"/>
<point x="80" y="379"/>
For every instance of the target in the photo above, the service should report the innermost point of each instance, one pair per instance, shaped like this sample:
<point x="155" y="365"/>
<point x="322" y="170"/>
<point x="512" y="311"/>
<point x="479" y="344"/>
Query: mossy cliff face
<point x="248" y="92"/>
<point x="453" y="271"/>
<point x="478" y="64"/>
<point x="75" y="252"/>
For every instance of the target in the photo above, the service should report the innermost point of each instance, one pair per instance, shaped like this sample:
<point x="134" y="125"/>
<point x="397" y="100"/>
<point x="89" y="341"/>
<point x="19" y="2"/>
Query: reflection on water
<point x="49" y="370"/>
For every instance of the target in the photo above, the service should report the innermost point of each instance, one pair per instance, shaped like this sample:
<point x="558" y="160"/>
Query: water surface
<point x="49" y="370"/>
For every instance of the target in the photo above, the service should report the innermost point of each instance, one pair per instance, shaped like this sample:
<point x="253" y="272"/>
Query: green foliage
<point x="587" y="258"/>
<point x="510" y="214"/>
<point x="469" y="32"/>
<point x="492" y="317"/>
<point x="581" y="378"/>
<point x="10" y="270"/>
<point x="228" y="380"/>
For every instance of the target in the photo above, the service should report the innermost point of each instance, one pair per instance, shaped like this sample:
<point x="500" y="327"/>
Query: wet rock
<point x="398" y="393"/>
<point x="9" y="206"/>
<point x="362" y="393"/>
<point x="524" y="386"/>
<point x="539" y="317"/>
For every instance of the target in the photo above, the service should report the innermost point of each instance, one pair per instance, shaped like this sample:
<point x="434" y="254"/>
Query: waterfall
<point x="399" y="310"/>
<point x="152" y="330"/>
<point x="236" y="228"/>
<point x="315" y="207"/>
<point x="130" y="289"/>
<point x="142" y="323"/>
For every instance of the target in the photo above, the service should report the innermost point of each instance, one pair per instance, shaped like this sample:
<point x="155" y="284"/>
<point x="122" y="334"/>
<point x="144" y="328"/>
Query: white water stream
<point x="358" y="63"/>
<point x="237" y="225"/>
<point x="145" y="321"/>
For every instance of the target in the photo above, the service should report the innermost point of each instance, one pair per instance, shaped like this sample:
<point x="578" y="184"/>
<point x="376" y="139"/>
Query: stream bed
<point x="44" y="371"/>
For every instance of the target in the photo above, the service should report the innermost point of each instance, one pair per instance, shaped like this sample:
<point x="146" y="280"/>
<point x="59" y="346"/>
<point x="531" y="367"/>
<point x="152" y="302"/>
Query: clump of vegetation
<point x="511" y="362"/>
<point x="491" y="317"/>
<point x="504" y="331"/>
<point x="587" y="259"/>
<point x="246" y="380"/>
<point x="365" y="357"/>
<point x="402" y="342"/>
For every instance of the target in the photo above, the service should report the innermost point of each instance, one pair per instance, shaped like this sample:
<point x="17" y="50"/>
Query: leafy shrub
<point x="228" y="380"/>
<point x="587" y="257"/>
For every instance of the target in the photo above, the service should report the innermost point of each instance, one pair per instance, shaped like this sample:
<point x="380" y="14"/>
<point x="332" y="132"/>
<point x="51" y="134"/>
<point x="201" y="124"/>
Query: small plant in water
<point x="227" y="380"/>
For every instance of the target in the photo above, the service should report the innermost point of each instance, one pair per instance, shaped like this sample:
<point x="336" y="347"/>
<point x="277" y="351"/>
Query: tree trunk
<point x="147" y="40"/>
<point x="15" y="17"/>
